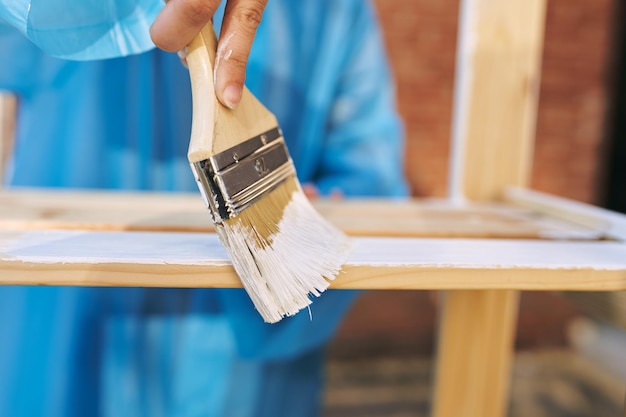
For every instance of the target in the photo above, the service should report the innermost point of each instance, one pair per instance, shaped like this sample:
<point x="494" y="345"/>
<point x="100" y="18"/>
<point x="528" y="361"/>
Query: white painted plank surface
<point x="198" y="260"/>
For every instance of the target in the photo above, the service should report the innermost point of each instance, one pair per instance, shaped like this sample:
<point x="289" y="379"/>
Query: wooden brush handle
<point x="216" y="128"/>
<point x="200" y="59"/>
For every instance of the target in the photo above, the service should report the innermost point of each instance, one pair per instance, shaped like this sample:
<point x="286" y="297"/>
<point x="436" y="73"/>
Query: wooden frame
<point x="571" y="247"/>
<point x="146" y="239"/>
<point x="8" y="105"/>
<point x="498" y="68"/>
<point x="163" y="235"/>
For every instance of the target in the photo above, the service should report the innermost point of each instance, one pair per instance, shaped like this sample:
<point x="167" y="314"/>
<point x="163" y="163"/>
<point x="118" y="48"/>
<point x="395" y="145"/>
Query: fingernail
<point x="232" y="96"/>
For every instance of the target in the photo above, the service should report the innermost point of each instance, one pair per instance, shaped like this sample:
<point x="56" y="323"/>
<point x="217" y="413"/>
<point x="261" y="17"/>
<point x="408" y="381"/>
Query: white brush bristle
<point x="283" y="251"/>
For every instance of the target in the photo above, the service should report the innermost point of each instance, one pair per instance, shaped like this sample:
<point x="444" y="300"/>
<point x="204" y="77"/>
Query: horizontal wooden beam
<point x="609" y="223"/>
<point x="160" y="259"/>
<point x="40" y="209"/>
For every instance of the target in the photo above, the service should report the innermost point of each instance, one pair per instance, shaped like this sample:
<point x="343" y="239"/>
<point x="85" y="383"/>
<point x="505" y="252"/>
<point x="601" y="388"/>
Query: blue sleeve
<point x="28" y="69"/>
<point x="84" y="29"/>
<point x="20" y="58"/>
<point x="363" y="152"/>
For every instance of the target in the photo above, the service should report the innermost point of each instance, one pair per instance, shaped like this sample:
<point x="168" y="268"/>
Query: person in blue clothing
<point x="87" y="30"/>
<point x="124" y="123"/>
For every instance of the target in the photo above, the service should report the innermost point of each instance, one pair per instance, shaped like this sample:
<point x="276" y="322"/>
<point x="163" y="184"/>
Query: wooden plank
<point x="611" y="224"/>
<point x="8" y="105"/>
<point x="496" y="94"/>
<point x="106" y="210"/>
<point x="606" y="306"/>
<point x="32" y="209"/>
<point x="441" y="218"/>
<point x="484" y="358"/>
<point x="62" y="257"/>
<point x="498" y="72"/>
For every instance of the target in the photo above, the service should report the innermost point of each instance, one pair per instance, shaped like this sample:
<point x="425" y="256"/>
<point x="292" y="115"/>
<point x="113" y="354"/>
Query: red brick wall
<point x="421" y="40"/>
<point x="573" y="98"/>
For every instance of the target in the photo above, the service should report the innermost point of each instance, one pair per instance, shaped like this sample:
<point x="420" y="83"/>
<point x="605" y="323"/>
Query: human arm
<point x="90" y="30"/>
<point x="363" y="148"/>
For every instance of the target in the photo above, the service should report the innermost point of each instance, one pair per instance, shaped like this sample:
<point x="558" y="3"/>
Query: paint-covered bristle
<point x="283" y="251"/>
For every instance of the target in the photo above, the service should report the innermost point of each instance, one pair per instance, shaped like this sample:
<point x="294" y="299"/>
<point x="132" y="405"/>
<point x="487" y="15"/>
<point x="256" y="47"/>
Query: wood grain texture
<point x="486" y="334"/>
<point x="216" y="128"/>
<point x="610" y="223"/>
<point x="8" y="104"/>
<point x="503" y="63"/>
<point x="605" y="306"/>
<point x="32" y="209"/>
<point x="153" y="259"/>
<point x="495" y="111"/>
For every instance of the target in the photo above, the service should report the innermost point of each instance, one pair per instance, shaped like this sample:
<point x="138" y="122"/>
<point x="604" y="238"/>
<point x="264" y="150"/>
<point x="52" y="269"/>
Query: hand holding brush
<point x="281" y="248"/>
<point x="180" y="21"/>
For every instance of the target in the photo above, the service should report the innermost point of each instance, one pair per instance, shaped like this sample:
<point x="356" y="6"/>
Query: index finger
<point x="241" y="20"/>
<point x="179" y="21"/>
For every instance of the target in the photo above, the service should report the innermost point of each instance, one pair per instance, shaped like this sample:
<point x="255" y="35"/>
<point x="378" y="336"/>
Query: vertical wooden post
<point x="498" y="68"/>
<point x="475" y="352"/>
<point x="7" y="127"/>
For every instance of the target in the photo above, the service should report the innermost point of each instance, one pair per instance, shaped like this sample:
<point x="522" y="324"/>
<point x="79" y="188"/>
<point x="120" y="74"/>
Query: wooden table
<point x="529" y="241"/>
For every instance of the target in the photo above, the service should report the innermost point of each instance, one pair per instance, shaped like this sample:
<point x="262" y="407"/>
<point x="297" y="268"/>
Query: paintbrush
<point x="281" y="248"/>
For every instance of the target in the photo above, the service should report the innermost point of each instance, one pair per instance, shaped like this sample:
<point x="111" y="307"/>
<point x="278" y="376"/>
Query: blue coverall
<point x="124" y="123"/>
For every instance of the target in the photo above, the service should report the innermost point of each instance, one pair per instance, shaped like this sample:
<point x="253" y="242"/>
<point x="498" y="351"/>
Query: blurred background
<point x="566" y="365"/>
<point x="382" y="358"/>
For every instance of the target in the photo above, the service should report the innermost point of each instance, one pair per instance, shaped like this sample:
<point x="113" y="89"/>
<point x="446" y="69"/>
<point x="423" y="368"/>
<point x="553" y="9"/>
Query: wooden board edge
<point x="610" y="223"/>
<point x="363" y="277"/>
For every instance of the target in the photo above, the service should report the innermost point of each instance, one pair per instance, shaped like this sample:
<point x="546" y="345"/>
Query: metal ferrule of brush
<point x="232" y="180"/>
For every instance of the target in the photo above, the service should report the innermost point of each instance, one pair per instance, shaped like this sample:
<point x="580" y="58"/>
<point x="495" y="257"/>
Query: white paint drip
<point x="222" y="54"/>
